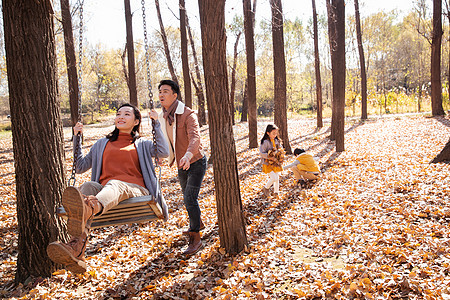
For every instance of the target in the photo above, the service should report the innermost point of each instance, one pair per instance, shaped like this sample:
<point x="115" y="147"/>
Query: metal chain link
<point x="80" y="61"/>
<point x="147" y="56"/>
<point x="149" y="84"/>
<point x="72" y="178"/>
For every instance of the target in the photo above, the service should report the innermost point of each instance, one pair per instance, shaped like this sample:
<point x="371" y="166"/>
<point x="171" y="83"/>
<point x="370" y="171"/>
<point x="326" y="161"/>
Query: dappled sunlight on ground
<point x="375" y="226"/>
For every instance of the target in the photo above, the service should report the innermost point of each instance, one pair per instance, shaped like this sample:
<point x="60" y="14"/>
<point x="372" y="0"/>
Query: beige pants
<point x="113" y="192"/>
<point x="300" y="174"/>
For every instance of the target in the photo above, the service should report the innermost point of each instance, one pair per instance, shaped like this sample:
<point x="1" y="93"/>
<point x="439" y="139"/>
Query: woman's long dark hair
<point x="269" y="128"/>
<point x="112" y="136"/>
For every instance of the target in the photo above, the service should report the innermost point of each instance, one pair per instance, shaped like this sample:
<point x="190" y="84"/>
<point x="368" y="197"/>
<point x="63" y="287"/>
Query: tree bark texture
<point x="36" y="131"/>
<point x="166" y="47"/>
<point x="233" y="73"/>
<point x="71" y="61"/>
<point x="337" y="41"/>
<point x="317" y="68"/>
<point x="184" y="56"/>
<point x="362" y="63"/>
<point x="198" y="93"/>
<point x="332" y="41"/>
<point x="447" y="13"/>
<point x="199" y="85"/>
<point x="251" y="74"/>
<point x="124" y="64"/>
<point x="436" y="41"/>
<point x="132" y="88"/>
<point x="231" y="221"/>
<point x="444" y="155"/>
<point x="244" y="113"/>
<point x="279" y="67"/>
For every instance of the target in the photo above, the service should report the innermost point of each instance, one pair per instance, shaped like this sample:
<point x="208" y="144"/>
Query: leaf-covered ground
<point x="376" y="226"/>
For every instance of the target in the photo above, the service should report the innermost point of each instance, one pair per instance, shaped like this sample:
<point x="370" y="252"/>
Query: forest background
<point x="396" y="45"/>
<point x="388" y="225"/>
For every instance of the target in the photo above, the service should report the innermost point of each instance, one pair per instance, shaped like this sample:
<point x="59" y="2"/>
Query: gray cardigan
<point x="145" y="152"/>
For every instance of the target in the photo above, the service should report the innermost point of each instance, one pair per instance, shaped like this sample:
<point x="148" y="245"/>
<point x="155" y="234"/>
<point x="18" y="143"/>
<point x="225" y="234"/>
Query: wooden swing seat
<point x="132" y="210"/>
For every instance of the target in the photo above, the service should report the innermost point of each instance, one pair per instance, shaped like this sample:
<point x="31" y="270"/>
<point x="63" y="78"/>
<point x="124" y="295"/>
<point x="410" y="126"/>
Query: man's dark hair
<point x="298" y="151"/>
<point x="175" y="87"/>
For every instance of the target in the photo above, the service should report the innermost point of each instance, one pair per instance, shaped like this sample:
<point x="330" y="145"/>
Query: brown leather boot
<point x="79" y="211"/>
<point x="195" y="243"/>
<point x="202" y="226"/>
<point x="71" y="254"/>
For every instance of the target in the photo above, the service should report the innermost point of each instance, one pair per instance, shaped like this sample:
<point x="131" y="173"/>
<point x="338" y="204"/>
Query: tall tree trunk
<point x="124" y="65"/>
<point x="279" y="67"/>
<point x="444" y="155"/>
<point x="447" y="14"/>
<point x="317" y="68"/>
<point x="199" y="94"/>
<point x="130" y="49"/>
<point x="199" y="88"/>
<point x="232" y="232"/>
<point x="71" y="61"/>
<point x="36" y="131"/>
<point x="436" y="40"/>
<point x="244" y="113"/>
<point x="419" y="100"/>
<point x="233" y="73"/>
<point x="448" y="56"/>
<point x="420" y="75"/>
<point x="362" y="63"/>
<point x="337" y="42"/>
<point x="184" y="56"/>
<point x="331" y="40"/>
<point x="251" y="74"/>
<point x="166" y="46"/>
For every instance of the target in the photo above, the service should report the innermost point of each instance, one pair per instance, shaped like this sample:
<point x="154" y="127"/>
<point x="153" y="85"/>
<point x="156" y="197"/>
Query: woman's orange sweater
<point x="121" y="161"/>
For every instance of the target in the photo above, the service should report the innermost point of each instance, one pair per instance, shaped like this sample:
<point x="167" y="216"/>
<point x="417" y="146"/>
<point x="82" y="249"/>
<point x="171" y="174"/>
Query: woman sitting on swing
<point x="122" y="168"/>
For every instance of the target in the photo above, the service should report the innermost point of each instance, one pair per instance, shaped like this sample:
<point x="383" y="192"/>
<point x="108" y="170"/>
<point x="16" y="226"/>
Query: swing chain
<point x="80" y="61"/>
<point x="72" y="178"/>
<point x="147" y="58"/>
<point x="149" y="84"/>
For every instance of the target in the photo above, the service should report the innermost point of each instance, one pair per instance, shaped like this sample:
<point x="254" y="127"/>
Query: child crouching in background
<point x="305" y="168"/>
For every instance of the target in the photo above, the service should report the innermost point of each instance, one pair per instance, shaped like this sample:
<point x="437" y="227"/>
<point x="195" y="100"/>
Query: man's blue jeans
<point x="191" y="181"/>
